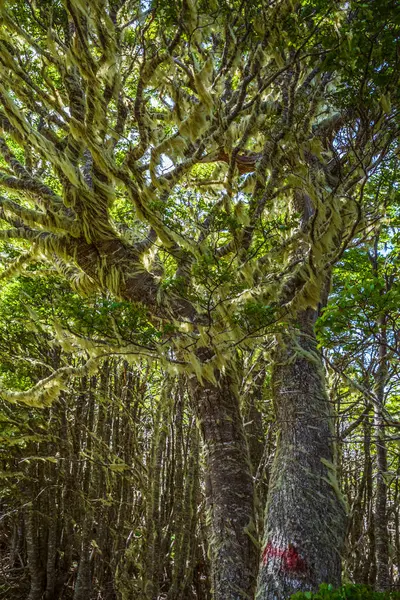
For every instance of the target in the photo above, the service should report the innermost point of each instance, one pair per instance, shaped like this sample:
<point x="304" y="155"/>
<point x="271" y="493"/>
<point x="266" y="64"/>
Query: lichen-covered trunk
<point x="305" y="516"/>
<point x="229" y="489"/>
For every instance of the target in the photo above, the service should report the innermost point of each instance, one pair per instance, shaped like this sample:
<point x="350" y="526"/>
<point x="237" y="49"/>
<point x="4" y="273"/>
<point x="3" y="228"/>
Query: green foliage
<point x="346" y="592"/>
<point x="124" y="174"/>
<point x="194" y="169"/>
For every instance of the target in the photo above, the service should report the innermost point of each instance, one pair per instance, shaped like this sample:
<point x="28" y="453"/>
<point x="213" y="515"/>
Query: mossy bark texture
<point x="229" y="490"/>
<point x="305" y="515"/>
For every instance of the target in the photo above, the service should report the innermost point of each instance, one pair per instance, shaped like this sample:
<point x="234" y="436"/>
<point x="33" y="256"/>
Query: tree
<point x="361" y="323"/>
<point x="207" y="161"/>
<point x="100" y="491"/>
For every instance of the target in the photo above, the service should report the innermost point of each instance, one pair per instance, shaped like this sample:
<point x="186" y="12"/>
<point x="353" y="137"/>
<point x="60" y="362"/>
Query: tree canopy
<point x="199" y="223"/>
<point x="181" y="156"/>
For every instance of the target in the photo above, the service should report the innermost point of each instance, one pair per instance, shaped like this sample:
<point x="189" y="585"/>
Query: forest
<point x="199" y="299"/>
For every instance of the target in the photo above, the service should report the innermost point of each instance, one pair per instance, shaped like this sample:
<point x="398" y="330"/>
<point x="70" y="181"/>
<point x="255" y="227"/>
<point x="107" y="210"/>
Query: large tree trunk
<point x="229" y="489"/>
<point x="305" y="516"/>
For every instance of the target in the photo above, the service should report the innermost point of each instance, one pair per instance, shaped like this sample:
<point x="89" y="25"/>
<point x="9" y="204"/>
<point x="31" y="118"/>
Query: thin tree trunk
<point x="83" y="586"/>
<point x="381" y="525"/>
<point x="33" y="552"/>
<point x="51" y="574"/>
<point x="396" y="533"/>
<point x="369" y="562"/>
<point x="181" y="519"/>
<point x="229" y="493"/>
<point x="380" y="507"/>
<point x="305" y="517"/>
<point x="255" y="432"/>
<point x="190" y="543"/>
<point x="358" y="542"/>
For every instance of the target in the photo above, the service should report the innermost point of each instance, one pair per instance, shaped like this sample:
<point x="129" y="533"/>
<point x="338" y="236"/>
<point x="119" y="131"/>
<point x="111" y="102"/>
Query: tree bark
<point x="381" y="375"/>
<point x="369" y="561"/>
<point x="305" y="516"/>
<point x="83" y="586"/>
<point x="33" y="553"/>
<point x="381" y="525"/>
<point x="229" y="489"/>
<point x="52" y="540"/>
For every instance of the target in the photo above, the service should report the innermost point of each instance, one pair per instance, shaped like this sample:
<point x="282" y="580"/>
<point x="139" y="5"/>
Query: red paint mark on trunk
<point x="271" y="551"/>
<point x="290" y="559"/>
<point x="294" y="562"/>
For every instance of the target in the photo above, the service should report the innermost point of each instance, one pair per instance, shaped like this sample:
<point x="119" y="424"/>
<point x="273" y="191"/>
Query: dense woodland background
<point x="103" y="492"/>
<point x="180" y="183"/>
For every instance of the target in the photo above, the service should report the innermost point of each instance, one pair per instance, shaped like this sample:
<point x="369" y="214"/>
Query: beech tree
<point x="207" y="161"/>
